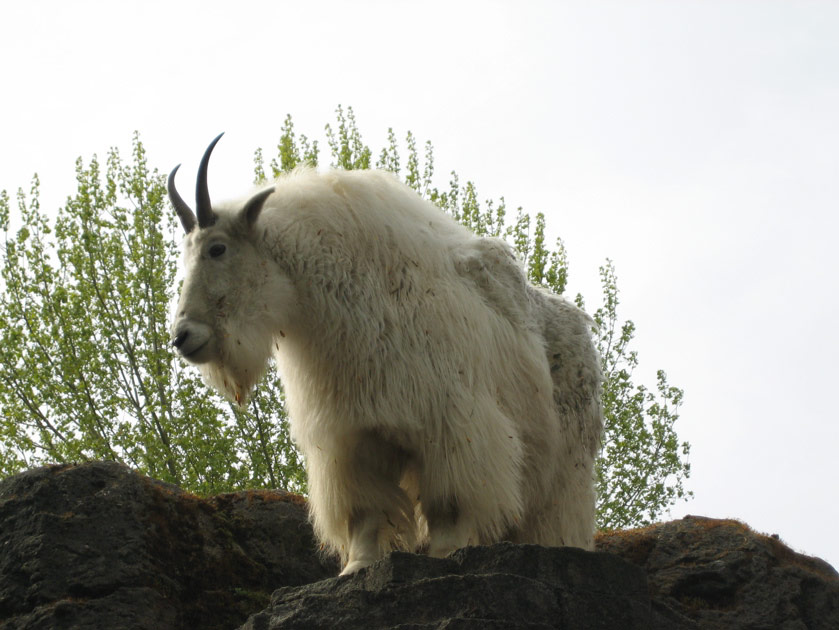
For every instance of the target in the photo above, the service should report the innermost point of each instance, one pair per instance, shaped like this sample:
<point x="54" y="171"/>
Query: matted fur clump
<point x="438" y="398"/>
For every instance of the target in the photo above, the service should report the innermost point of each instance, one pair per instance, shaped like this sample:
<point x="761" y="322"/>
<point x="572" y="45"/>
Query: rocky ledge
<point x="99" y="546"/>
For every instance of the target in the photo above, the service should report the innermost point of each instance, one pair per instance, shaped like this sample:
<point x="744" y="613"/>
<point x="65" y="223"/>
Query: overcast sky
<point x="694" y="143"/>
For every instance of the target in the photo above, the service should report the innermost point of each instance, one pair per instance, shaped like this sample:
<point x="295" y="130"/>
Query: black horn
<point x="206" y="216"/>
<point x="185" y="213"/>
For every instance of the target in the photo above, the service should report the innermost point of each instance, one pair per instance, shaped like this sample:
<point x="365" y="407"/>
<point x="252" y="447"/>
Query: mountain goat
<point x="438" y="398"/>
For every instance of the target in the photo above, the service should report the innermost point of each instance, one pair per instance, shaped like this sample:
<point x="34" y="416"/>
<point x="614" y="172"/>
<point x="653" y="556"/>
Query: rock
<point x="99" y="546"/>
<point x="721" y="574"/>
<point x="504" y="586"/>
<point x="688" y="574"/>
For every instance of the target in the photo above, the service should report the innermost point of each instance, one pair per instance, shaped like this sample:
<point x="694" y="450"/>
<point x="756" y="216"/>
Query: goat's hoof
<point x="354" y="566"/>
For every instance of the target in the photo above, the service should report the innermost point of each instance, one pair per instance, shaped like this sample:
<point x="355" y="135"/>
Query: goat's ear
<point x="250" y="212"/>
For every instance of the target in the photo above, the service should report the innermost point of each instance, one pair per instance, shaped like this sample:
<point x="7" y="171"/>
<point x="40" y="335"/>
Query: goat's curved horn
<point x="185" y="213"/>
<point x="206" y="216"/>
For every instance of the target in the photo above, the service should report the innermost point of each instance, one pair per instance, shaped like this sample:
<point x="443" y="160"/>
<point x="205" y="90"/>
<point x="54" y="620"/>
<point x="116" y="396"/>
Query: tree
<point x="641" y="470"/>
<point x="87" y="371"/>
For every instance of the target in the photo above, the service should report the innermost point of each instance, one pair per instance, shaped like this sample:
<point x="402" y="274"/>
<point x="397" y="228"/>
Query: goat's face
<point x="235" y="299"/>
<point x="215" y="286"/>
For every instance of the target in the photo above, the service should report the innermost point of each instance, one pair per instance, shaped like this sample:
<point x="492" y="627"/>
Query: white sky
<point x="694" y="143"/>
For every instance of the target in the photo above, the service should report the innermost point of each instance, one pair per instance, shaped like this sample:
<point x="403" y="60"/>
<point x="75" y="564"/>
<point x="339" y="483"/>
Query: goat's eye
<point x="217" y="250"/>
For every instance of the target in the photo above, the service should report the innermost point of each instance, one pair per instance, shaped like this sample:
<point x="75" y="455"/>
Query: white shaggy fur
<point x="438" y="398"/>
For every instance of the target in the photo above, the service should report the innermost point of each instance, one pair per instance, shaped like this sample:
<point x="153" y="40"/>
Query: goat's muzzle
<point x="193" y="340"/>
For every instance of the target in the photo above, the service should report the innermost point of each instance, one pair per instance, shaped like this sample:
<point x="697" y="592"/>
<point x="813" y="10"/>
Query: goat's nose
<point x="179" y="340"/>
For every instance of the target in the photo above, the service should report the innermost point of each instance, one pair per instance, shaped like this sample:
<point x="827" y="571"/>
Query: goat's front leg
<point x="448" y="528"/>
<point x="381" y="516"/>
<point x="364" y="547"/>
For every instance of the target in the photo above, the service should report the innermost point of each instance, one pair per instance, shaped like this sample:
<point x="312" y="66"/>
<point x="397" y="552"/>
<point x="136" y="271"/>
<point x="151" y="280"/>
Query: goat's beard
<point x="241" y="363"/>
